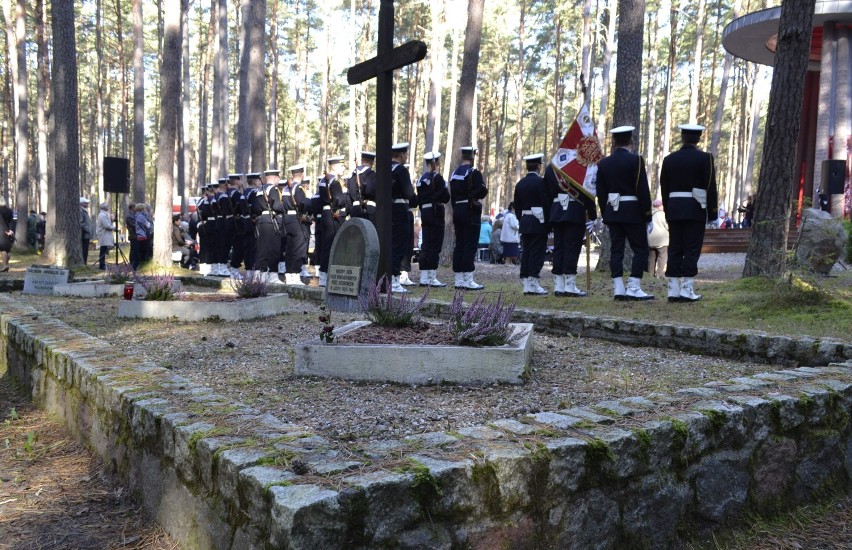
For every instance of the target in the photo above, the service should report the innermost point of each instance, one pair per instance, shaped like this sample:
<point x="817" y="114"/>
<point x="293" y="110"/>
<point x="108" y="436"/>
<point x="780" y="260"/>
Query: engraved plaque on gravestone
<point x="352" y="265"/>
<point x="40" y="279"/>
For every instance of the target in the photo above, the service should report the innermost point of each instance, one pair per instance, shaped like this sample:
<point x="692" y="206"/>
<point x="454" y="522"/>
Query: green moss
<point x="283" y="483"/>
<point x="453" y="433"/>
<point x="204" y="434"/>
<point x="597" y="451"/>
<point x="717" y="419"/>
<point x="681" y="432"/>
<point x="484" y="476"/>
<point x="424" y="487"/>
<point x="644" y="439"/>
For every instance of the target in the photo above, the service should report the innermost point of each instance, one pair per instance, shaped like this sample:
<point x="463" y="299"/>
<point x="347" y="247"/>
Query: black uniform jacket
<point x="623" y="172"/>
<point x="432" y="195"/>
<point x="467" y="189"/>
<point x="682" y="171"/>
<point x="531" y="197"/>
<point x="401" y="187"/>
<point x="576" y="210"/>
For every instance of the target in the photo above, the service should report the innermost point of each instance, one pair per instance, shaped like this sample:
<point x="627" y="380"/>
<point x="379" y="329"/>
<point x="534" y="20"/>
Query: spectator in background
<point x="747" y="210"/>
<point x="183" y="244"/>
<point x="484" y="232"/>
<point x="85" y="228"/>
<point x="496" y="246"/>
<point x="145" y="250"/>
<point x="41" y="226"/>
<point x="32" y="220"/>
<point x="658" y="241"/>
<point x="130" y="225"/>
<point x="104" y="228"/>
<point x="7" y="234"/>
<point x="509" y="236"/>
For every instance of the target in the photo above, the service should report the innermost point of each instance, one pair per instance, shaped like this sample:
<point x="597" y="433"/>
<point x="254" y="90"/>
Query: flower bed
<point x="198" y="307"/>
<point x="416" y="363"/>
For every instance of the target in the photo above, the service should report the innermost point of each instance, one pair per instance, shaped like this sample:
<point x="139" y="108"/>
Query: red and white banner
<point x="575" y="162"/>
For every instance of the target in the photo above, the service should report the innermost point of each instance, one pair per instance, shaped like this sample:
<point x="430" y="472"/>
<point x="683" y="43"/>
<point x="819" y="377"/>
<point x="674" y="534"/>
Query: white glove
<point x="590" y="227"/>
<point x="650" y="227"/>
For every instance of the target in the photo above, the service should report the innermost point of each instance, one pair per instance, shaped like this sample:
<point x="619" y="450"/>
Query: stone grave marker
<point x="352" y="265"/>
<point x="40" y="279"/>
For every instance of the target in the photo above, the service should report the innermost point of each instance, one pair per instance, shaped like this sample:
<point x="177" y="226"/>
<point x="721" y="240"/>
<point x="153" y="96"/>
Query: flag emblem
<point x="575" y="162"/>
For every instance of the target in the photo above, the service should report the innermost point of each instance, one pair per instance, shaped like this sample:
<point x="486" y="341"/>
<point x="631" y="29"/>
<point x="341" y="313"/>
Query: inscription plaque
<point x="344" y="279"/>
<point x="41" y="279"/>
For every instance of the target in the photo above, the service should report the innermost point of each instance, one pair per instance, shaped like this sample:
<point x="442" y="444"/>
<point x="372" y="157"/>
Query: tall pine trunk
<point x="170" y="104"/>
<point x="767" y="249"/>
<point x="41" y="104"/>
<point x="242" y="149"/>
<point x="436" y="78"/>
<point x="203" y="171"/>
<point x="219" y="162"/>
<point x="628" y="77"/>
<point x="63" y="244"/>
<point x="17" y="41"/>
<point x="257" y="85"/>
<point x="138" y="106"/>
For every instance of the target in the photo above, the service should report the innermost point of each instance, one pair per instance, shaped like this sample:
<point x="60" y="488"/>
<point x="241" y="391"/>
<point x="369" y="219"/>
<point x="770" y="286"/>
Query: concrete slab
<point x="88" y="289"/>
<point x="240" y="310"/>
<point x="416" y="364"/>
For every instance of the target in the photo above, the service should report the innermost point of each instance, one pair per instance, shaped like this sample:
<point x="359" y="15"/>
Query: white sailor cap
<point x="254" y="175"/>
<point x="697" y="128"/>
<point x="469" y="149"/>
<point x="272" y="172"/>
<point x="211" y="185"/>
<point x="368" y="155"/>
<point x="399" y="147"/>
<point x="335" y="159"/>
<point x="222" y="181"/>
<point x="431" y="156"/>
<point x="296" y="168"/>
<point x="622" y="130"/>
<point x="534" y="158"/>
<point x="235" y="176"/>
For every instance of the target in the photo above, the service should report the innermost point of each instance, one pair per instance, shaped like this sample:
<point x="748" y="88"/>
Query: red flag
<point x="575" y="162"/>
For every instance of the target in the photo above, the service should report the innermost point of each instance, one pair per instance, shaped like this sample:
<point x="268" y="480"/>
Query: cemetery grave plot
<point x="253" y="362"/>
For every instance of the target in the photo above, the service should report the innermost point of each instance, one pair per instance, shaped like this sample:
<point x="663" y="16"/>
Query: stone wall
<point x="639" y="472"/>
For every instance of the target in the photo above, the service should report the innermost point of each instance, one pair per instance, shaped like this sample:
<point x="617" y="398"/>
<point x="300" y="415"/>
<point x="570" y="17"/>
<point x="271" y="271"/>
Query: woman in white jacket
<point x="104" y="228"/>
<point x="509" y="236"/>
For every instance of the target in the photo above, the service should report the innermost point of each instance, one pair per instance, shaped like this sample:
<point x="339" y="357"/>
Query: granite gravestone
<point x="352" y="265"/>
<point x="40" y="279"/>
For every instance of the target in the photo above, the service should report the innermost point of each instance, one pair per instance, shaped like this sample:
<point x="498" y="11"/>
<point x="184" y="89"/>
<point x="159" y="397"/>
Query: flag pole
<point x="588" y="233"/>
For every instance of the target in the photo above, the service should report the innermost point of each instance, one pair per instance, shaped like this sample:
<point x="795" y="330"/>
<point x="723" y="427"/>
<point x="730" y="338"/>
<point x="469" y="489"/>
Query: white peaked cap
<point x="691" y="128"/>
<point x="622" y="129"/>
<point x="531" y="158"/>
<point x="431" y="155"/>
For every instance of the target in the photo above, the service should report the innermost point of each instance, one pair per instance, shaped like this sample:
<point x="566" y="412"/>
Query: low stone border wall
<point x="638" y="472"/>
<point x="240" y="310"/>
<point x="748" y="345"/>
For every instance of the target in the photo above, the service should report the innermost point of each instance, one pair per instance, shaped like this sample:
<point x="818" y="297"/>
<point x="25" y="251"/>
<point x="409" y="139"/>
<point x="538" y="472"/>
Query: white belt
<point x="245" y="217"/>
<point x="557" y="199"/>
<point x="291" y="212"/>
<point x="427" y="205"/>
<point x="319" y="216"/>
<point x="268" y="213"/>
<point x="678" y="195"/>
<point x="400" y="201"/>
<point x="629" y="198"/>
<point x="228" y="217"/>
<point x="526" y="212"/>
<point x="326" y="207"/>
<point x="356" y="203"/>
<point x="460" y="202"/>
<point x="370" y="203"/>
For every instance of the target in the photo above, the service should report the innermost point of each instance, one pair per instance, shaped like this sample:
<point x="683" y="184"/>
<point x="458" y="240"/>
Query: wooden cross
<point x="381" y="67"/>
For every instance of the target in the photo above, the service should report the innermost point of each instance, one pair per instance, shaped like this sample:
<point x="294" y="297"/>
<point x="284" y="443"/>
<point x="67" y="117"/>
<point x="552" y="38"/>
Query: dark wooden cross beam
<point x="381" y="67"/>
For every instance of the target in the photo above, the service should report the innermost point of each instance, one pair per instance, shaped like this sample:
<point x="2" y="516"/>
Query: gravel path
<point x="252" y="362"/>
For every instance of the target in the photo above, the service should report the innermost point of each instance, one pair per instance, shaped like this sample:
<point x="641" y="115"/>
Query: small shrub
<point x="327" y="330"/>
<point x="118" y="274"/>
<point x="847" y="225"/>
<point x="253" y="285"/>
<point x="390" y="310"/>
<point x="158" y="288"/>
<point x="483" y="323"/>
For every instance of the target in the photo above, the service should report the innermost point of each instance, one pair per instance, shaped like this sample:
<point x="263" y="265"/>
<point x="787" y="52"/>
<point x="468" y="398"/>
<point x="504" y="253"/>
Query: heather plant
<point x="389" y="310"/>
<point x="159" y="288"/>
<point x="253" y="285"/>
<point x="482" y="323"/>
<point x="118" y="274"/>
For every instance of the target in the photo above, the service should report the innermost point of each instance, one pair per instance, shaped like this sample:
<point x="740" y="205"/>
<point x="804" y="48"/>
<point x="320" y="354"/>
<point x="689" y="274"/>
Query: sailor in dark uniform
<point x="300" y="240"/>
<point x="224" y="230"/>
<point x="234" y="198"/>
<point x="206" y="232"/>
<point x="533" y="204"/>
<point x="402" y="191"/>
<point x="432" y="195"/>
<point x="267" y="234"/>
<point x="277" y="195"/>
<point x="467" y="189"/>
<point x="408" y="254"/>
<point x="625" y="202"/>
<point x="334" y="200"/>
<point x="690" y="199"/>
<point x="292" y="235"/>
<point x="360" y="184"/>
<point x="249" y="236"/>
<point x="570" y="218"/>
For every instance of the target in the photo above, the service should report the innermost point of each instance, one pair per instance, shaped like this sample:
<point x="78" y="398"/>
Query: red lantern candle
<point x="128" y="291"/>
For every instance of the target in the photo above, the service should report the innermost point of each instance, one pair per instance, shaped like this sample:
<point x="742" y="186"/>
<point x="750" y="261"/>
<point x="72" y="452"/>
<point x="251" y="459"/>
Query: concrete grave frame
<point x="88" y="289"/>
<point x="417" y="364"/>
<point x="239" y="310"/>
<point x="634" y="471"/>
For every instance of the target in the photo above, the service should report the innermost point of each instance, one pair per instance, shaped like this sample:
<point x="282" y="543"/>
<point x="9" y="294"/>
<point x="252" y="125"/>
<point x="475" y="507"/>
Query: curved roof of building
<point x="752" y="36"/>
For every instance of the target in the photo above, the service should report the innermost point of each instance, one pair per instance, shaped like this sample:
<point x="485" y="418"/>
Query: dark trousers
<point x="567" y="243"/>
<point x="532" y="254"/>
<point x="685" y="240"/>
<point x="226" y="240"/>
<point x="102" y="257"/>
<point x="400" y="237"/>
<point x="296" y="246"/>
<point x="464" y="253"/>
<point x="430" y="250"/>
<point x="85" y="243"/>
<point x="329" y="229"/>
<point x="267" y="245"/>
<point x="238" y="251"/>
<point x="637" y="235"/>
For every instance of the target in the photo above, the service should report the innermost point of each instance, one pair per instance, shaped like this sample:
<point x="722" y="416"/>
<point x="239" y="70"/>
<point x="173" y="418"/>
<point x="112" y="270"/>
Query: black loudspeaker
<point x="833" y="177"/>
<point x="116" y="175"/>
